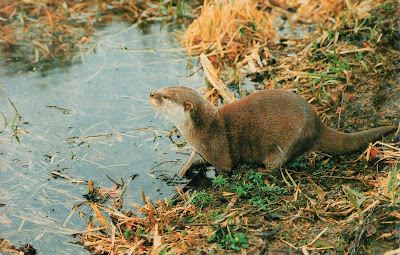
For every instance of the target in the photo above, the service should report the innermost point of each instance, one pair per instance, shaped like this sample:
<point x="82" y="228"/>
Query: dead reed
<point x="50" y="32"/>
<point x="228" y="30"/>
<point x="252" y="212"/>
<point x="243" y="41"/>
<point x="152" y="229"/>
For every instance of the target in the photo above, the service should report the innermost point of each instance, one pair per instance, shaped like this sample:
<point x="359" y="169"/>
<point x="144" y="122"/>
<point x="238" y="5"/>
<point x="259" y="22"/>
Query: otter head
<point x="174" y="103"/>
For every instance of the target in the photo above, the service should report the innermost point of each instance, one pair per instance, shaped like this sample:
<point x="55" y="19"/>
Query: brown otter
<point x="268" y="127"/>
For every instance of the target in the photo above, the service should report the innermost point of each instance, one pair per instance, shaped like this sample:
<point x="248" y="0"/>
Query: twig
<point x="320" y="248"/>
<point x="58" y="174"/>
<point x="353" y="246"/>
<point x="15" y="129"/>
<point x="341" y="177"/>
<point x="291" y="245"/>
<point x="19" y="116"/>
<point x="318" y="236"/>
<point x="132" y="250"/>
<point x="116" y="183"/>
<point x="220" y="224"/>
<point x="4" y="121"/>
<point x="211" y="75"/>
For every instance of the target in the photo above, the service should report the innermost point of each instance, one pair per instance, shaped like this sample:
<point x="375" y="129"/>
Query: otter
<point x="268" y="127"/>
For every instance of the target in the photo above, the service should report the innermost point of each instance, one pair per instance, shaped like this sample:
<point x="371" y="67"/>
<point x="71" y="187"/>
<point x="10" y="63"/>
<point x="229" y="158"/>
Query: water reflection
<point x="86" y="121"/>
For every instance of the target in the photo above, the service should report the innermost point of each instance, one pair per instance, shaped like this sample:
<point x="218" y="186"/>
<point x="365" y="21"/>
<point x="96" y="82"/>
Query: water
<point x="87" y="120"/>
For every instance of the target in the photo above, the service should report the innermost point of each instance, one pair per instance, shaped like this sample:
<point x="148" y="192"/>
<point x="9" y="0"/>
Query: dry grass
<point x="228" y="30"/>
<point x="51" y="32"/>
<point x="348" y="46"/>
<point x="7" y="248"/>
<point x="333" y="209"/>
<point x="148" y="231"/>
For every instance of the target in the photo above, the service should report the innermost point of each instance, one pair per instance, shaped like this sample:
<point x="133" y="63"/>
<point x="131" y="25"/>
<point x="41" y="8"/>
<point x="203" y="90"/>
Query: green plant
<point x="372" y="33"/>
<point x="355" y="198"/>
<point x="176" y="9"/>
<point x="300" y="162"/>
<point x="240" y="190"/>
<point x="324" y="165"/>
<point x="358" y="26"/>
<point x="338" y="65"/>
<point x="287" y="235"/>
<point x="256" y="178"/>
<point x="359" y="56"/>
<point x="251" y="187"/>
<point x="259" y="202"/>
<point x="227" y="240"/>
<point x="185" y="219"/>
<point x="394" y="185"/>
<point x="4" y="121"/>
<point x="360" y="59"/>
<point x="302" y="242"/>
<point x="275" y="189"/>
<point x="220" y="181"/>
<point x="127" y="233"/>
<point x="201" y="198"/>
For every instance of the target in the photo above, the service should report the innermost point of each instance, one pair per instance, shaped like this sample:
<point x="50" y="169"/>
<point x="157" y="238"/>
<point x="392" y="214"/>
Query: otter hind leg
<point x="275" y="159"/>
<point x="273" y="164"/>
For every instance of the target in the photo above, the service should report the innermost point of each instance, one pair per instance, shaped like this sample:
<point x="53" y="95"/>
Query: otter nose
<point x="152" y="94"/>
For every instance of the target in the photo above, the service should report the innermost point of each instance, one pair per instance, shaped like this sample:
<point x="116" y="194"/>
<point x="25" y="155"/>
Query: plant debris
<point x="46" y="33"/>
<point x="349" y="54"/>
<point x="342" y="56"/>
<point x="7" y="248"/>
<point x="258" y="212"/>
<point x="315" y="204"/>
<point x="228" y="39"/>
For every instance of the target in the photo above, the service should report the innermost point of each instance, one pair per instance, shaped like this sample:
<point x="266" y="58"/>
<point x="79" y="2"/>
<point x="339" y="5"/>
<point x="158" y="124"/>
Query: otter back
<point x="269" y="127"/>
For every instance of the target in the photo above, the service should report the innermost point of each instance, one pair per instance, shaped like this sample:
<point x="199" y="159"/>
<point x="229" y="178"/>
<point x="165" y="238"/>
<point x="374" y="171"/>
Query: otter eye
<point x="164" y="97"/>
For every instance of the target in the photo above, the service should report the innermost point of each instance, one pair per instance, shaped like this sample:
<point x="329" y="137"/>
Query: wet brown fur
<point x="268" y="127"/>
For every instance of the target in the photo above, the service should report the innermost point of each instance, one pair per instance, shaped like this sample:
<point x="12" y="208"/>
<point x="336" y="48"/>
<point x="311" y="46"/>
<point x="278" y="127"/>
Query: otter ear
<point x="188" y="106"/>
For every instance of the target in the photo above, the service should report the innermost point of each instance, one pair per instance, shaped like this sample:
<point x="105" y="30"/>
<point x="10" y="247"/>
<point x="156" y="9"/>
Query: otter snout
<point x="155" y="95"/>
<point x="155" y="98"/>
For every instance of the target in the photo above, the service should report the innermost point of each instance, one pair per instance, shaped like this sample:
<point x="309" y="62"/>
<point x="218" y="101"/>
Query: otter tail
<point x="335" y="142"/>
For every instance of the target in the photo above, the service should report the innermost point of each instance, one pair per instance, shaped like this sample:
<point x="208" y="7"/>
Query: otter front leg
<point x="194" y="159"/>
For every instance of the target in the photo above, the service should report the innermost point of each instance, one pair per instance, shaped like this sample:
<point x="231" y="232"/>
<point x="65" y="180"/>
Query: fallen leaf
<point x="374" y="153"/>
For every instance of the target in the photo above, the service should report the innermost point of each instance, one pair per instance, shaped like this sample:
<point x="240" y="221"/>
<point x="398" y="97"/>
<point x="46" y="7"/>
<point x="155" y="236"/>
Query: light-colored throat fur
<point x="175" y="113"/>
<point x="194" y="124"/>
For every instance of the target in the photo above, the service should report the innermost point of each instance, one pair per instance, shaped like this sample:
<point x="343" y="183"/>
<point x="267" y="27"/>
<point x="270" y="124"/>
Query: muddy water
<point x="86" y="121"/>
